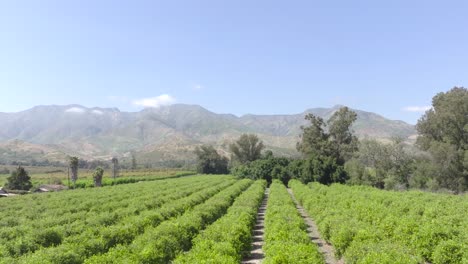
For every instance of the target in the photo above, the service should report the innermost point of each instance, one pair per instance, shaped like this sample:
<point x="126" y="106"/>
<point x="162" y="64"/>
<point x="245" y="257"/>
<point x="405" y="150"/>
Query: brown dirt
<point x="324" y="248"/>
<point x="256" y="255"/>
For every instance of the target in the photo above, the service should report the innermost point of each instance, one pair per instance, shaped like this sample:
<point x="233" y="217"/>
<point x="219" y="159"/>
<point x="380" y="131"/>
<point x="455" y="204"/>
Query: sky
<point x="242" y="56"/>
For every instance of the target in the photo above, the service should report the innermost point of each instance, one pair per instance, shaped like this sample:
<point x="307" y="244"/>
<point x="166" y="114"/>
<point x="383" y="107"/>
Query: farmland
<point x="210" y="219"/>
<point x="57" y="175"/>
<point x="366" y="225"/>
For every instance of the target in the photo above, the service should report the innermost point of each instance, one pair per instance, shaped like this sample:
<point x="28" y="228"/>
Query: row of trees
<point x="97" y="174"/>
<point x="332" y="153"/>
<point x="20" y="179"/>
<point x="324" y="153"/>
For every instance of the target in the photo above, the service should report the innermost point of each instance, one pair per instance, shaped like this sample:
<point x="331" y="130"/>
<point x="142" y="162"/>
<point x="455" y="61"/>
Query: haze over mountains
<point x="159" y="134"/>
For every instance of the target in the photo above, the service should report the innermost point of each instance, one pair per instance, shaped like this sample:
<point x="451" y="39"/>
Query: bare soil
<point x="256" y="254"/>
<point x="312" y="230"/>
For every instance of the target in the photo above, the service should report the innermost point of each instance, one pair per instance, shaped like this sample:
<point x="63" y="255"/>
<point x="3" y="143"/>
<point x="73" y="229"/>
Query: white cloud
<point x="76" y="110"/>
<point x="421" y="109"/>
<point x="197" y="87"/>
<point x="97" y="112"/>
<point x="155" y="102"/>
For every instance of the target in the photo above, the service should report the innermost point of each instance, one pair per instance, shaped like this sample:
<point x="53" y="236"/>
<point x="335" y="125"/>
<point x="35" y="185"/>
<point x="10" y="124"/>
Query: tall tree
<point x="115" y="167"/>
<point x="73" y="164"/>
<point x="314" y="139"/>
<point x="19" y="180"/>
<point x="443" y="132"/>
<point x="343" y="142"/>
<point x="209" y="161"/>
<point x="247" y="148"/>
<point x="339" y="142"/>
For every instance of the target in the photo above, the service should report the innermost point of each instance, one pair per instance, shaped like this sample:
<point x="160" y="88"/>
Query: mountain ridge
<point x="167" y="132"/>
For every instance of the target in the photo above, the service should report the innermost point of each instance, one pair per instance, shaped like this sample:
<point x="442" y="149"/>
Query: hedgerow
<point x="286" y="239"/>
<point x="366" y="225"/>
<point x="162" y="243"/>
<point x="69" y="226"/>
<point x="225" y="240"/>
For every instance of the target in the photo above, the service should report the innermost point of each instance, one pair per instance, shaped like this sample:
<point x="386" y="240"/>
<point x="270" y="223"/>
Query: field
<point x="366" y="225"/>
<point x="55" y="175"/>
<point x="210" y="219"/>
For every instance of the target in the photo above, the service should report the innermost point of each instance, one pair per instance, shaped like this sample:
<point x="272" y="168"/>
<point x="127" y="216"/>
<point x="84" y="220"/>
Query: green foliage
<point x="266" y="169"/>
<point x="322" y="169"/>
<point x="380" y="165"/>
<point x="162" y="243"/>
<point x="444" y="133"/>
<point x="227" y="239"/>
<point x="19" y="180"/>
<point x="449" y="251"/>
<point x="48" y="237"/>
<point x="97" y="176"/>
<point x="286" y="239"/>
<point x="343" y="141"/>
<point x="209" y="161"/>
<point x="247" y="148"/>
<point x="45" y="229"/>
<point x="366" y="225"/>
<point x="338" y="143"/>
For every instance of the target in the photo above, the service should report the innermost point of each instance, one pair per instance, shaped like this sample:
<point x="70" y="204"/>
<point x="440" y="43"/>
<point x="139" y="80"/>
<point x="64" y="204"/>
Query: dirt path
<point x="324" y="248"/>
<point x="256" y="254"/>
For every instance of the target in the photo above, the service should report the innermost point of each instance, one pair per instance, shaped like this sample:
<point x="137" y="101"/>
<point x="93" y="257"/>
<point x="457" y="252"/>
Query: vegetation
<point x="324" y="153"/>
<point x="440" y="163"/>
<point x="19" y="180"/>
<point x="97" y="176"/>
<point x="286" y="239"/>
<point x="226" y="240"/>
<point x="444" y="134"/>
<point x="73" y="165"/>
<point x="247" y="148"/>
<point x="366" y="225"/>
<point x="209" y="161"/>
<point x="102" y="218"/>
<point x="162" y="243"/>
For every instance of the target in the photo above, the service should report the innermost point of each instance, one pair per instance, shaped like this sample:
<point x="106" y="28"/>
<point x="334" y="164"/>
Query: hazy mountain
<point x="155" y="134"/>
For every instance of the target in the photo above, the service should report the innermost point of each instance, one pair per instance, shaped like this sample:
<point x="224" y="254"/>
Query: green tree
<point x="338" y="143"/>
<point x="73" y="163"/>
<point x="314" y="139"/>
<point x="209" y="161"/>
<point x="97" y="176"/>
<point x="247" y="148"/>
<point x="343" y="142"/>
<point x="443" y="132"/>
<point x="381" y="165"/>
<point x="19" y="180"/>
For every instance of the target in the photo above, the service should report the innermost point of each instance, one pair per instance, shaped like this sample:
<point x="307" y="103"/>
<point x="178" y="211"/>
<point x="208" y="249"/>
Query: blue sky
<point x="261" y="57"/>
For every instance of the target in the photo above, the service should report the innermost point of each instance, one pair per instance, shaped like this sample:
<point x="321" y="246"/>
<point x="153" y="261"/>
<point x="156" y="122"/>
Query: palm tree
<point x="73" y="163"/>
<point x="115" y="167"/>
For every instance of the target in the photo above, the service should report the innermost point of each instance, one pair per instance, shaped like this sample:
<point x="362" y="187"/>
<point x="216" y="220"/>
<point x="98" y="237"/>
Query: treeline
<point x="331" y="153"/>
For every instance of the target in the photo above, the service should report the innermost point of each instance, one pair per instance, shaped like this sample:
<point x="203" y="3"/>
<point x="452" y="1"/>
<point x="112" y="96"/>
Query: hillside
<point x="159" y="134"/>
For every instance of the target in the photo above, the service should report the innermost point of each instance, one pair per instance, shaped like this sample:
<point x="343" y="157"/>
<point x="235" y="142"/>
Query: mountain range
<point x="159" y="134"/>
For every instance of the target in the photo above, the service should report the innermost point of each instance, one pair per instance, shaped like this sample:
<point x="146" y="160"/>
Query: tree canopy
<point x="338" y="142"/>
<point x="247" y="148"/>
<point x="19" y="180"/>
<point x="443" y="133"/>
<point x="209" y="161"/>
